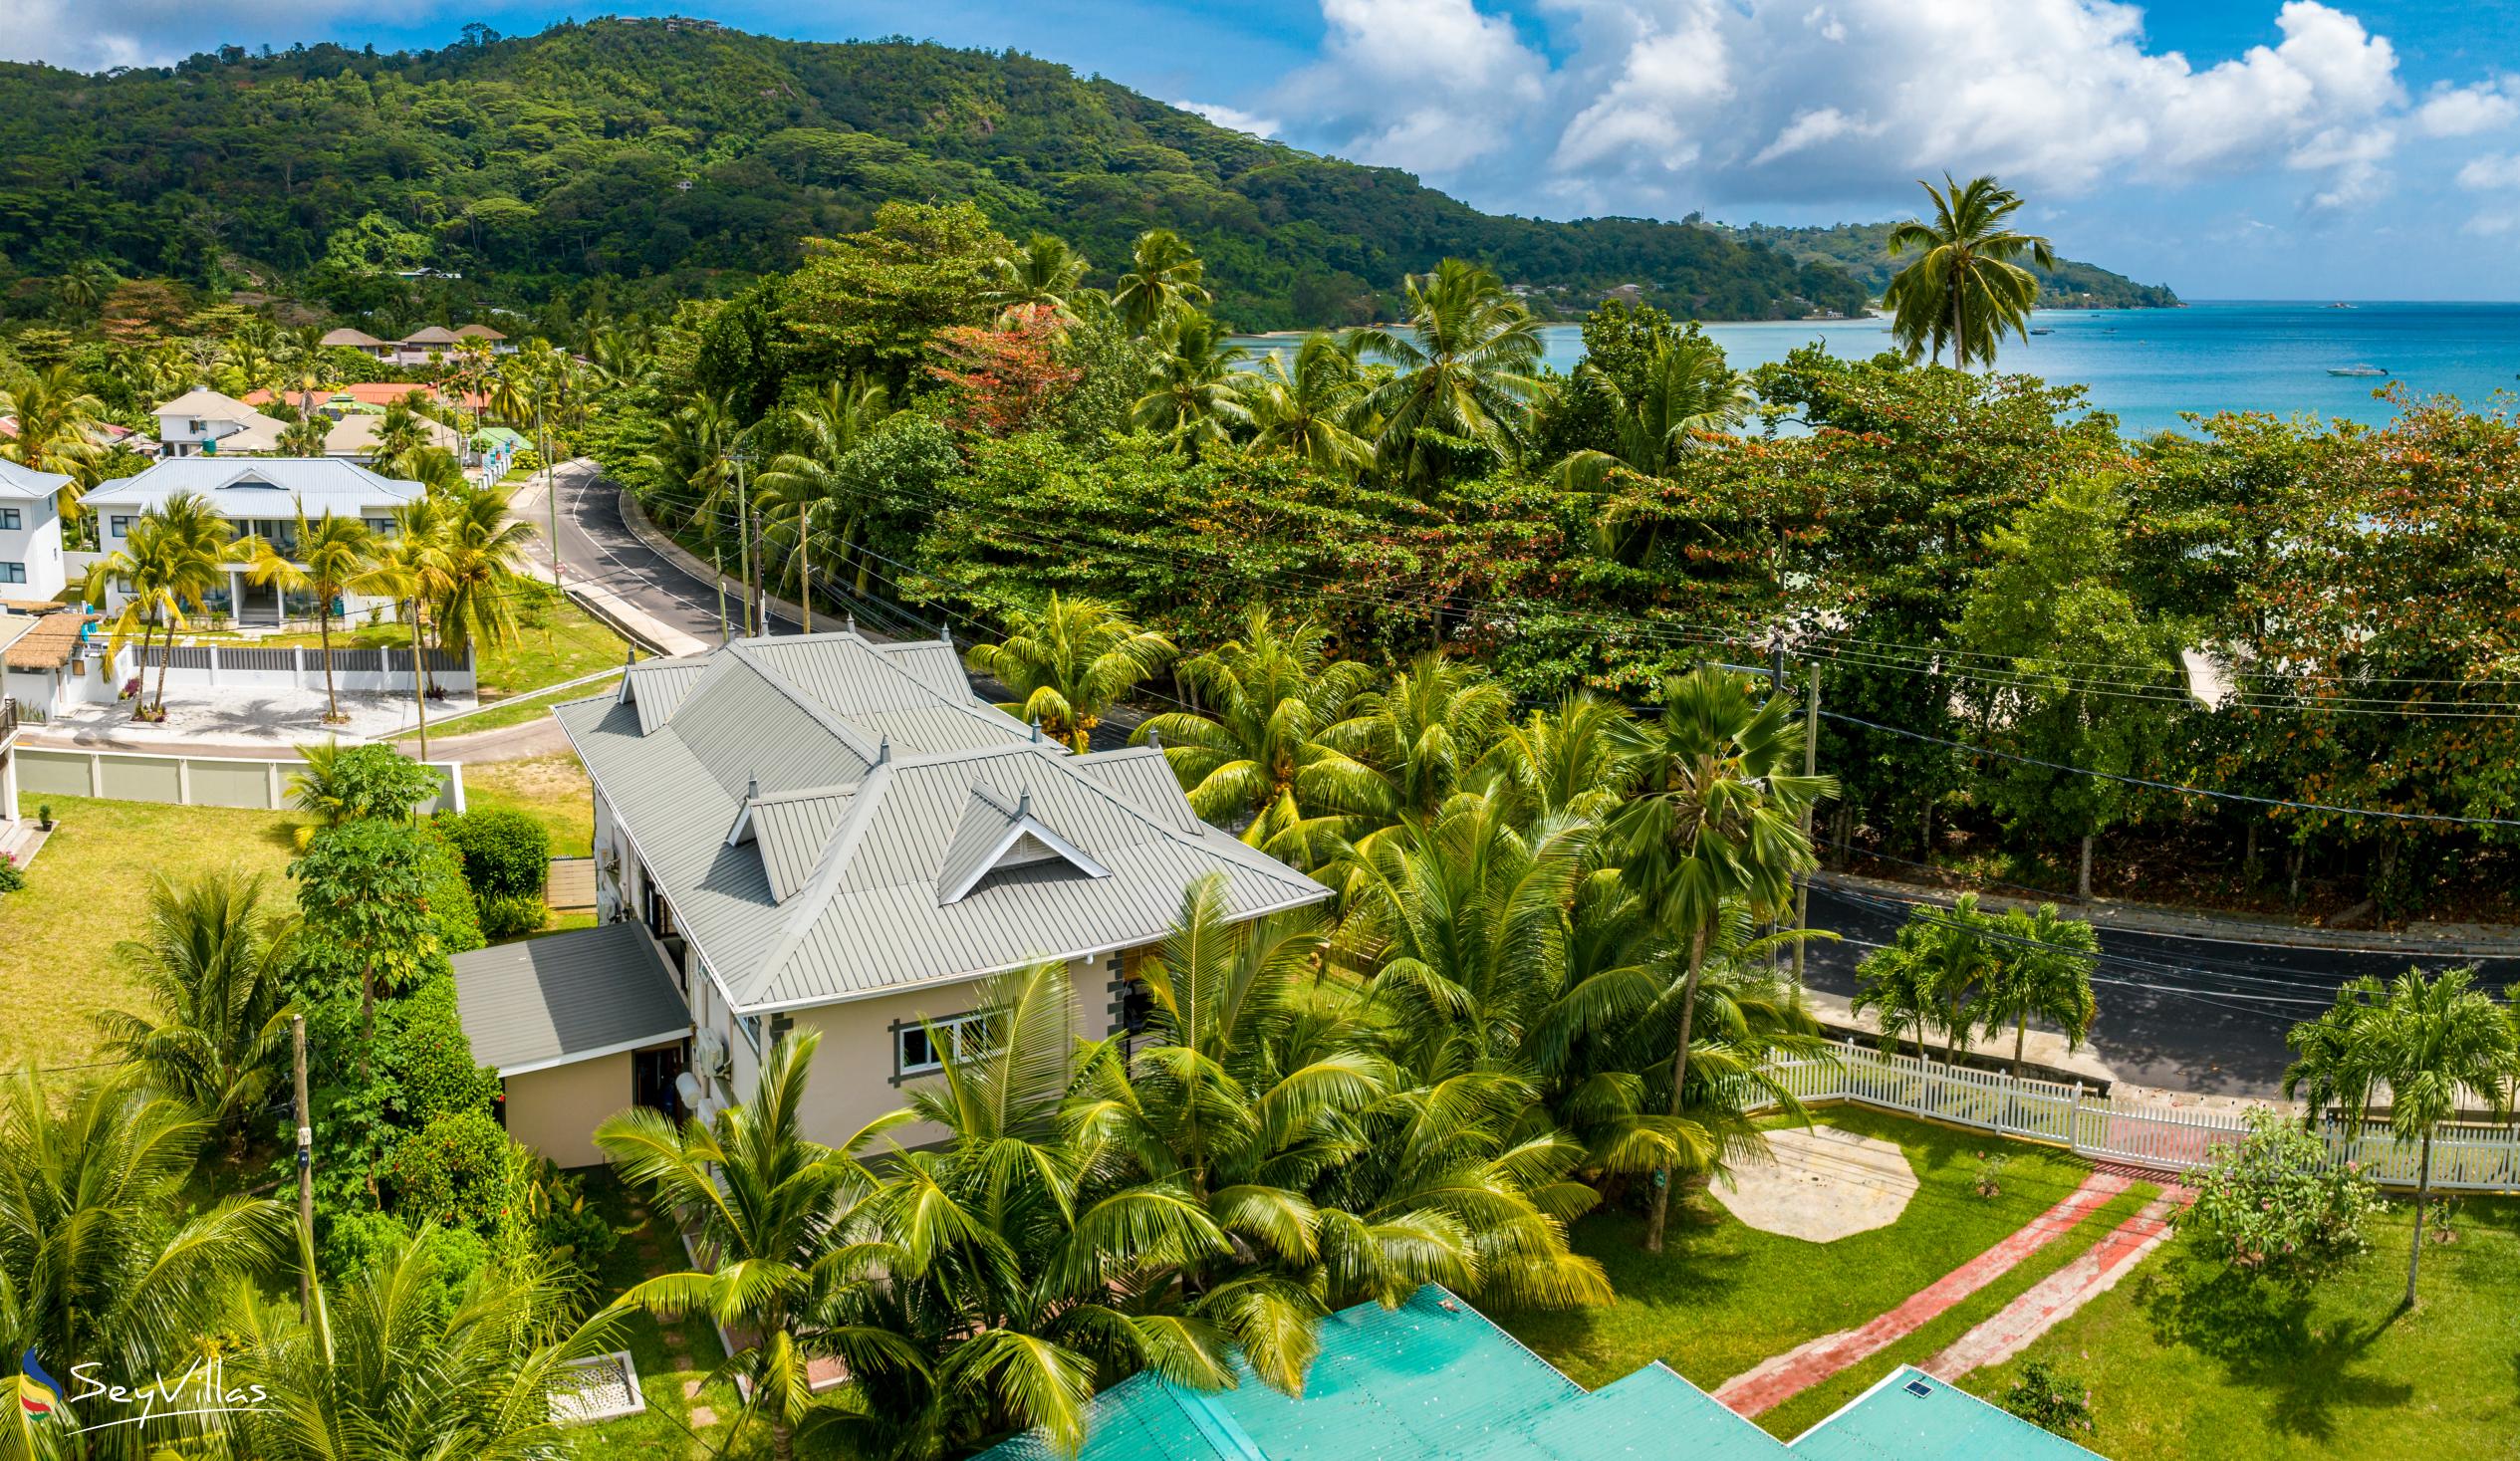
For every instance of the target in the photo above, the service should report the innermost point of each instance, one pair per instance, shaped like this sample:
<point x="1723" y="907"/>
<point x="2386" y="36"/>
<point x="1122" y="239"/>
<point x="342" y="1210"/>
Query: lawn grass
<point x="553" y="790"/>
<point x="2186" y="1359"/>
<point x="522" y="708"/>
<point x="87" y="890"/>
<point x="647" y="1247"/>
<point x="1722" y="1296"/>
<point x="555" y="640"/>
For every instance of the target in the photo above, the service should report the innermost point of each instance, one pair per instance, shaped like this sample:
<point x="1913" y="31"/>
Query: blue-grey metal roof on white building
<point x="828" y="823"/>
<point x="259" y="487"/>
<point x="23" y="482"/>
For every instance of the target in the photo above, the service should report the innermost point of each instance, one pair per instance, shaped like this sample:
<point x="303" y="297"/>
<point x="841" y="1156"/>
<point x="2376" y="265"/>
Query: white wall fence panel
<point x="233" y="666"/>
<point x="185" y="781"/>
<point x="2483" y="1158"/>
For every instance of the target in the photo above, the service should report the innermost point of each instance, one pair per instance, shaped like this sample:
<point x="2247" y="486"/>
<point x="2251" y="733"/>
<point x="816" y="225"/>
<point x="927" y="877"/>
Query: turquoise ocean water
<point x="2147" y="366"/>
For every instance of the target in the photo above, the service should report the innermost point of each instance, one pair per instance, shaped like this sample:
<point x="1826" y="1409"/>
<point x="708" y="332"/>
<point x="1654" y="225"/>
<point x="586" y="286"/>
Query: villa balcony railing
<point x="8" y="717"/>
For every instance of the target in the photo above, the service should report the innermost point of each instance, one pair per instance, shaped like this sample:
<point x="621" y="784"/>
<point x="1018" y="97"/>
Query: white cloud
<point x="1228" y="117"/>
<point x="2491" y="173"/>
<point x="96" y="34"/>
<point x="1662" y="105"/>
<point x="2460" y="112"/>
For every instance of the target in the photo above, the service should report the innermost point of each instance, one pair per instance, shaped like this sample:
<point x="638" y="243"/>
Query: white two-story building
<point x="262" y="496"/>
<point x="32" y="566"/>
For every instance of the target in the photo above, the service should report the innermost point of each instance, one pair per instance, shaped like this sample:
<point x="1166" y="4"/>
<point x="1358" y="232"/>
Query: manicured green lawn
<point x="1723" y="1297"/>
<point x="2186" y="1359"/>
<point x="553" y="790"/>
<point x="86" y="893"/>
<point x="647" y="1246"/>
<point x="522" y="708"/>
<point x="556" y="640"/>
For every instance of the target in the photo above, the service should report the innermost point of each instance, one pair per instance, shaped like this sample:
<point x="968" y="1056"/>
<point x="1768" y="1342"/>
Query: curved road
<point x="2184" y="1013"/>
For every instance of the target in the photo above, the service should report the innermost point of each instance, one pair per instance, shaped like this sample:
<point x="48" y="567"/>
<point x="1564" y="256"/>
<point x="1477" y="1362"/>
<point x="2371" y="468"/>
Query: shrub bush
<point x="451" y="905"/>
<point x="2051" y="1402"/>
<point x="2268" y="1204"/>
<point x="506" y="918"/>
<point x="12" y="876"/>
<point x="453" y="1172"/>
<point x="507" y="855"/>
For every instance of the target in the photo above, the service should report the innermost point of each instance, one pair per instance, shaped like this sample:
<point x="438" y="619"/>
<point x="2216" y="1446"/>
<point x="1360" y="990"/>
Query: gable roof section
<point x="210" y="405"/>
<point x="27" y="484"/>
<point x="261" y="487"/>
<point x="806" y="802"/>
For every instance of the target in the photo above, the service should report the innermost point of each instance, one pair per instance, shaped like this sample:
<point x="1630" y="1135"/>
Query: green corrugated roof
<point x="1435" y="1378"/>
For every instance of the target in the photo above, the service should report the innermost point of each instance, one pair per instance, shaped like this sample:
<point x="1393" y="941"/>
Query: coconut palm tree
<point x="56" y="418"/>
<point x="1463" y="376"/>
<point x="485" y="569"/>
<point x="2435" y="1041"/>
<point x="402" y="432"/>
<point x="1688" y="394"/>
<point x="1311" y="405"/>
<point x="2043" y="965"/>
<point x="305" y="437"/>
<point x="409" y="1360"/>
<point x="689" y="471"/>
<point x="104" y="1254"/>
<point x="415" y="562"/>
<point x="1406" y="749"/>
<point x="1575" y="761"/>
<point x="1069" y="662"/>
<point x="143" y="571"/>
<point x="1716" y="820"/>
<point x="772" y="1210"/>
<point x="805" y="484"/>
<point x="333" y="556"/>
<point x="178" y="552"/>
<point x="1197" y="397"/>
<point x="1964" y="290"/>
<point x="1044" y="275"/>
<point x="211" y="961"/>
<point x="1251" y="754"/>
<point x="1164" y="278"/>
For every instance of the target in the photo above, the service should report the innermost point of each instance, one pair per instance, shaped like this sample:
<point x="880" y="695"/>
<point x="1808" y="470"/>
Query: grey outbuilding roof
<point x="829" y="821"/>
<point x="567" y="997"/>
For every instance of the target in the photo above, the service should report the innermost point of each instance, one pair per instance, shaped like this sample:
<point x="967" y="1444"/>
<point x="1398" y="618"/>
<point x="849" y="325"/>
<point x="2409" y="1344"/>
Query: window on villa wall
<point x="11" y="519"/>
<point x="918" y="1048"/>
<point x="12" y="573"/>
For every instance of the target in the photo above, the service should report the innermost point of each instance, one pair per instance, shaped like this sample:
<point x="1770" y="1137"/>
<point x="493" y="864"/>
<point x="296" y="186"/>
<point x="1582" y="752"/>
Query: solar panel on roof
<point x="1918" y="1388"/>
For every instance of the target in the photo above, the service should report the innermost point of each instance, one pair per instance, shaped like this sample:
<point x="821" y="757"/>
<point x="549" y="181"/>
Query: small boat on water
<point x="2043" y="330"/>
<point x="2355" y="370"/>
<point x="2339" y="305"/>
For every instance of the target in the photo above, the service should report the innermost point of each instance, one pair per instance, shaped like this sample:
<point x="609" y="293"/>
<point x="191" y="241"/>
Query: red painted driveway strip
<point x="2051" y="1299"/>
<point x="1778" y="1379"/>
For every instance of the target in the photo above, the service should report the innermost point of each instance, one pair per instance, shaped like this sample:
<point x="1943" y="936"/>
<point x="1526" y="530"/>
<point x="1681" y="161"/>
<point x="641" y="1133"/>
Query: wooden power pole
<point x="306" y="1161"/>
<point x="1811" y="767"/>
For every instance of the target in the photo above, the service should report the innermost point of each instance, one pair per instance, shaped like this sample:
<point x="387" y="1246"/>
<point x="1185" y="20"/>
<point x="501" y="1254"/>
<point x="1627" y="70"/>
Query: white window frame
<point x="12" y="573"/>
<point x="12" y="519"/>
<point x="949" y="1030"/>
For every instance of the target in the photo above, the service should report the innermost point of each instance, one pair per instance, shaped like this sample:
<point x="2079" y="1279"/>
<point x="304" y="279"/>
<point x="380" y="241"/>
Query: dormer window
<point x="996" y="846"/>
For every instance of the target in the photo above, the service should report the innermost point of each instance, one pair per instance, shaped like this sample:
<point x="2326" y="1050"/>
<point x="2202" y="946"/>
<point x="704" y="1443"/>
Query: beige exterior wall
<point x="854" y="1067"/>
<point x="556" y="1111"/>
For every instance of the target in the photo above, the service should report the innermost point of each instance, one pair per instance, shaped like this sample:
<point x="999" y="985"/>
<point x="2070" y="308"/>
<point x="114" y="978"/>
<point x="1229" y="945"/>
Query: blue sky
<point x="2228" y="148"/>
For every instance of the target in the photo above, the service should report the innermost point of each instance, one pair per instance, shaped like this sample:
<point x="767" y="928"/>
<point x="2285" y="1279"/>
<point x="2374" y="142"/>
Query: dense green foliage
<point x="507" y="854"/>
<point x="621" y="159"/>
<point x="2272" y="1206"/>
<point x="1863" y="250"/>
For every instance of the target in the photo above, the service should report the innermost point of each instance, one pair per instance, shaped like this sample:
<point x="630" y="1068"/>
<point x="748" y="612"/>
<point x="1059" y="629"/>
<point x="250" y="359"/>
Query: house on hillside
<point x="31" y="561"/>
<point x="427" y="346"/>
<point x="498" y="343"/>
<point x="825" y="833"/>
<point x="359" y="340"/>
<point x="261" y="496"/>
<point x="203" y="423"/>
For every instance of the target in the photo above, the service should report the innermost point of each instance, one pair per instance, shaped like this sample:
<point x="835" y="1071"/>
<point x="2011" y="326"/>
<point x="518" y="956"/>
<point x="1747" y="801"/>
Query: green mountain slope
<point x="678" y="157"/>
<point x="1863" y="250"/>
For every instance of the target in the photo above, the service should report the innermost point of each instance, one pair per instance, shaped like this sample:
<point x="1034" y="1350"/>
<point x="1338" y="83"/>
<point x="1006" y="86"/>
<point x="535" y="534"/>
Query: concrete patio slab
<point x="1822" y="1185"/>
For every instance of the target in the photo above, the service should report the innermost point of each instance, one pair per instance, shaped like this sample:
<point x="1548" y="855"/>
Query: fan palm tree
<point x="1688" y="394"/>
<point x="1044" y="275"/>
<point x="1463" y="376"/>
<point x="104" y="1255"/>
<point x="2434" y="1040"/>
<point x="1069" y="664"/>
<point x="1197" y="397"/>
<point x="1310" y="405"/>
<point x="406" y="1361"/>
<point x="1252" y="755"/>
<point x="2043" y="966"/>
<point x="1165" y="278"/>
<point x="211" y="961"/>
<point x="1406" y="749"/>
<point x="771" y="1209"/>
<point x="333" y="556"/>
<point x="56" y="418"/>
<point x="1964" y="290"/>
<point x="1717" y="820"/>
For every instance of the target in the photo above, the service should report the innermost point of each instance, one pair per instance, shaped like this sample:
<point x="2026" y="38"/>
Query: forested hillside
<point x="1863" y="250"/>
<point x="677" y="158"/>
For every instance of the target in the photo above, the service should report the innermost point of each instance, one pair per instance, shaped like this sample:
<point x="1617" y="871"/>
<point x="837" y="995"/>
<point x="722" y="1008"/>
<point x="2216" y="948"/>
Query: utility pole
<point x="550" y="483"/>
<point x="306" y="1161"/>
<point x="420" y="681"/>
<point x="1811" y="767"/>
<point x="743" y="540"/>
<point x="717" y="563"/>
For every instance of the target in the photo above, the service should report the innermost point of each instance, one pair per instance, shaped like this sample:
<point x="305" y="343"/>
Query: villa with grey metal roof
<point x="826" y="832"/>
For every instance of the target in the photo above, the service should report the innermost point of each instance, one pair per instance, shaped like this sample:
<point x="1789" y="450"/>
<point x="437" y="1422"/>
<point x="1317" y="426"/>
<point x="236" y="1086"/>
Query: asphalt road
<point x="2206" y="1015"/>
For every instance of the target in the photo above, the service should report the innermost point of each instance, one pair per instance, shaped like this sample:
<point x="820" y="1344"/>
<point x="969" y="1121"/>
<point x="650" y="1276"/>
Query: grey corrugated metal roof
<point x="263" y="486"/>
<point x="566" y="996"/>
<point x="25" y="481"/>
<point x="836" y="895"/>
<point x="657" y="686"/>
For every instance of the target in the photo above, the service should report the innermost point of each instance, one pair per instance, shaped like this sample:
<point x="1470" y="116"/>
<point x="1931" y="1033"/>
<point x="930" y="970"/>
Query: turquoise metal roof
<point x="1435" y="1378"/>
<point x="1912" y="1414"/>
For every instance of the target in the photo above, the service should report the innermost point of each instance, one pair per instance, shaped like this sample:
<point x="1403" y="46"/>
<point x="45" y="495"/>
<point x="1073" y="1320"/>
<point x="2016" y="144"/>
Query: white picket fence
<point x="2477" y="1158"/>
